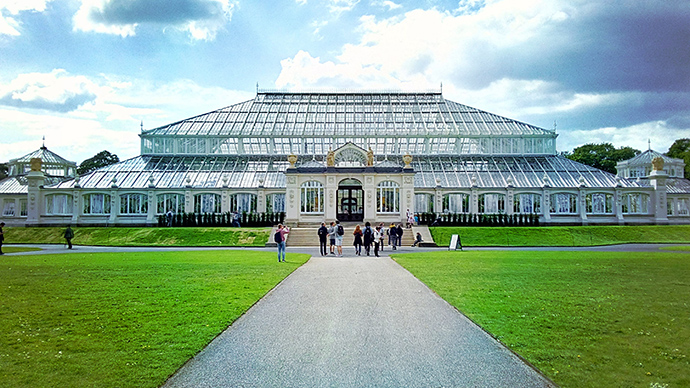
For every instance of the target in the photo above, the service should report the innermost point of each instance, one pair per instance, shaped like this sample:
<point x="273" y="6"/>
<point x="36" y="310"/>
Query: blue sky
<point x="85" y="73"/>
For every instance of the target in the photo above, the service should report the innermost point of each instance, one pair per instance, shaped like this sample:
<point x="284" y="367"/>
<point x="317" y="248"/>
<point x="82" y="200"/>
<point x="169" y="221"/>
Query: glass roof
<point x="283" y="114"/>
<point x="47" y="157"/>
<point x="248" y="172"/>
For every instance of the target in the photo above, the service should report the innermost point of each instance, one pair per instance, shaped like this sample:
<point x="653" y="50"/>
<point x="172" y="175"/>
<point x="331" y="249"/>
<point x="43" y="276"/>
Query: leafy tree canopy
<point x="681" y="149"/>
<point x="101" y="159"/>
<point x="4" y="169"/>
<point x="603" y="156"/>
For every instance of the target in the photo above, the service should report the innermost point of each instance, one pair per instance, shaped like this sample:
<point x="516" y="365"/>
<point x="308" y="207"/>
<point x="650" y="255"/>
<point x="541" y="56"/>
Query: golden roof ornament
<point x="292" y="159"/>
<point x="330" y="158"/>
<point x="36" y="164"/>
<point x="407" y="159"/>
<point x="658" y="163"/>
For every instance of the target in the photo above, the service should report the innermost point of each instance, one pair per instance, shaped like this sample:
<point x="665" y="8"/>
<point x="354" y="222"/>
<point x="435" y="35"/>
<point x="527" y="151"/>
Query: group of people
<point x="362" y="238"/>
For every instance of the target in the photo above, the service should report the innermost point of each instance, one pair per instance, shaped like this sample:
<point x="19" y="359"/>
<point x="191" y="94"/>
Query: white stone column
<point x="34" y="204"/>
<point x="331" y="197"/>
<point x="292" y="200"/>
<point x="369" y="187"/>
<point x="657" y="180"/>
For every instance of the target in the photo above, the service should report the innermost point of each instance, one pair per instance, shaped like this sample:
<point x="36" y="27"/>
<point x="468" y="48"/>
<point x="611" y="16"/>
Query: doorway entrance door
<point x="350" y="200"/>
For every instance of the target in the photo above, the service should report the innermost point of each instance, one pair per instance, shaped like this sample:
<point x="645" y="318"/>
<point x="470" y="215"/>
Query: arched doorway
<point x="350" y="200"/>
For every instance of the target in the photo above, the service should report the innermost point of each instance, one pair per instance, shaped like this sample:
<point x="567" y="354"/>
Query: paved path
<point x="354" y="322"/>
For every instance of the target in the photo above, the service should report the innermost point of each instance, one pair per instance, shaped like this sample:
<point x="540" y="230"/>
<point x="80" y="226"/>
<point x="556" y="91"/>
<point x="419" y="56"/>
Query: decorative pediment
<point x="350" y="155"/>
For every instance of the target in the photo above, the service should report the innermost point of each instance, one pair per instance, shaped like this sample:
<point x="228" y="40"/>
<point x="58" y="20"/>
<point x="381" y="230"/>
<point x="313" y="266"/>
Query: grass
<point x="563" y="235"/>
<point x="122" y="319"/>
<point x="684" y="248"/>
<point x="7" y="249"/>
<point x="141" y="236"/>
<point x="585" y="319"/>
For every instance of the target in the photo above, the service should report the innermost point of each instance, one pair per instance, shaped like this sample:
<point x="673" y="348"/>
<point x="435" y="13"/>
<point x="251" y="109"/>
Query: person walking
<point x="399" y="234"/>
<point x="358" y="240"/>
<point x="377" y="239"/>
<point x="323" y="237"/>
<point x="393" y="236"/>
<point x="2" y="237"/>
<point x="332" y="231"/>
<point x="280" y="238"/>
<point x="169" y="218"/>
<point x="69" y="235"/>
<point x="339" y="233"/>
<point x="368" y="237"/>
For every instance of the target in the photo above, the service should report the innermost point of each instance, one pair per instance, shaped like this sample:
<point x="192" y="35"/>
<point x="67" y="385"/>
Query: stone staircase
<point x="307" y="237"/>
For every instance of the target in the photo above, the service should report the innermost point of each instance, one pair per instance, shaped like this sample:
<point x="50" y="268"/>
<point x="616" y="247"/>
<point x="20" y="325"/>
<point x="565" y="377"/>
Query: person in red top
<point x="280" y="237"/>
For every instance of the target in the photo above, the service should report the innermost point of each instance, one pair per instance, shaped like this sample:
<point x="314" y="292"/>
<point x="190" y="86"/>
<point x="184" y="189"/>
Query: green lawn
<point x="122" y="319"/>
<point x="7" y="249"/>
<point x="585" y="319"/>
<point x="684" y="248"/>
<point x="141" y="236"/>
<point x="562" y="235"/>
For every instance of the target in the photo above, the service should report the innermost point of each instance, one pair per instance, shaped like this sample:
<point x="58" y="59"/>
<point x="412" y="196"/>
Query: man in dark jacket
<point x="368" y="237"/>
<point x="399" y="234"/>
<point x="323" y="237"/>
<point x="393" y="236"/>
<point x="69" y="235"/>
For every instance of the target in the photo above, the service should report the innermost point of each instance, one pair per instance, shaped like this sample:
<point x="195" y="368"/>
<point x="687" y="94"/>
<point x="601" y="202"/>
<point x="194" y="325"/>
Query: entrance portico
<point x="351" y="187"/>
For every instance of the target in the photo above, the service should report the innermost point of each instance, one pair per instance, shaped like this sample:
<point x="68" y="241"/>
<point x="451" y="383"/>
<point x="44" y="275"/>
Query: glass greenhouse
<point x="359" y="156"/>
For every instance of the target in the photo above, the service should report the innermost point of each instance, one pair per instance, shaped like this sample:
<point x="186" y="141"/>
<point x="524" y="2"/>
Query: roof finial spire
<point x="142" y="126"/>
<point x="441" y="87"/>
<point x="257" y="87"/>
<point x="554" y="126"/>
<point x="649" y="144"/>
<point x="44" y="142"/>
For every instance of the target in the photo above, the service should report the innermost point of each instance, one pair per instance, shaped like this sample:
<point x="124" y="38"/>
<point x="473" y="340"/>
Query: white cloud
<point x="10" y="25"/>
<point x="56" y="91"/>
<point x="201" y="19"/>
<point x="339" y="6"/>
<point x="110" y="120"/>
<point x="387" y="4"/>
<point x="660" y="133"/>
<point x="301" y="2"/>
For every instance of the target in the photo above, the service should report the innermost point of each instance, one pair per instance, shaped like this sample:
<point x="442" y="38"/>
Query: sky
<point x="85" y="74"/>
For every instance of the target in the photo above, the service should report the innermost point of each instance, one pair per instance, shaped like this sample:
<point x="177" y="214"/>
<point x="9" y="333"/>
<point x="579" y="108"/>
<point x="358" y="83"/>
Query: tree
<point x="101" y="159"/>
<point x="681" y="149"/>
<point x="603" y="156"/>
<point x="4" y="170"/>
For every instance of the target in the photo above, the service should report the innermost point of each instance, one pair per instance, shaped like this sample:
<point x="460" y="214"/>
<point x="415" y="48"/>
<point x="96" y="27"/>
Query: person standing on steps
<point x="323" y="237"/>
<point x="332" y="231"/>
<point x="280" y="238"/>
<point x="399" y="234"/>
<point x="69" y="235"/>
<point x="377" y="239"/>
<point x="368" y="237"/>
<point x="358" y="240"/>
<point x="339" y="233"/>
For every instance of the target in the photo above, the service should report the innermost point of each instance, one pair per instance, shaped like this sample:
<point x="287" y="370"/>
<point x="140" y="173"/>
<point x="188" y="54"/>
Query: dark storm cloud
<point x="68" y="104"/>
<point x="117" y="12"/>
<point x="601" y="46"/>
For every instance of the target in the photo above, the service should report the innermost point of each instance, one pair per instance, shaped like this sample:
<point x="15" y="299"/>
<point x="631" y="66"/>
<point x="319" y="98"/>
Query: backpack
<point x="367" y="234"/>
<point x="341" y="231"/>
<point x="278" y="237"/>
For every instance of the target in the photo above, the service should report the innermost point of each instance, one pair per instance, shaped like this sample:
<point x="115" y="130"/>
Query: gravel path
<point x="354" y="322"/>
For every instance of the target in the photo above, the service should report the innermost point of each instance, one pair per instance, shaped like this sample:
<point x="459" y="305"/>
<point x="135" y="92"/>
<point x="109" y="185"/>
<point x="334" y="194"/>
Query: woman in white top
<point x="377" y="240"/>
